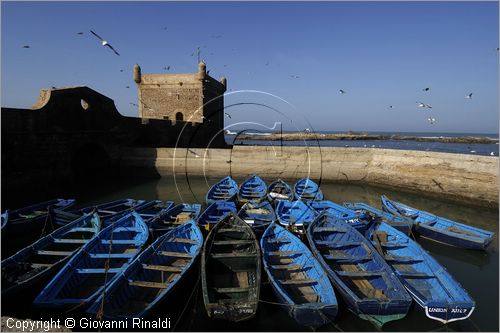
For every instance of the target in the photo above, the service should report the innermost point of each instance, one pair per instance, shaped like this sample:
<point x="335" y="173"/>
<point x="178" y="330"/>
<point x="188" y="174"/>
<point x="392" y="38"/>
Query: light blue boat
<point x="258" y="215"/>
<point x="430" y="285"/>
<point x="252" y="189"/>
<point x="214" y="213"/>
<point x="225" y="189"/>
<point x="295" y="215"/>
<point x="298" y="279"/>
<point x="307" y="189"/>
<point x="358" y="220"/>
<point x="279" y="190"/>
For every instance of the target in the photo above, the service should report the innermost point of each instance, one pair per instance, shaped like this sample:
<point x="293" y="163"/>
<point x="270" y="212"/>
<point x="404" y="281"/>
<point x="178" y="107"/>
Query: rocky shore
<point x="299" y="136"/>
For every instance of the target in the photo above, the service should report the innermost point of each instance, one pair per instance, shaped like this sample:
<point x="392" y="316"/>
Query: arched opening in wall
<point x="89" y="162"/>
<point x="179" y="116"/>
<point x="85" y="105"/>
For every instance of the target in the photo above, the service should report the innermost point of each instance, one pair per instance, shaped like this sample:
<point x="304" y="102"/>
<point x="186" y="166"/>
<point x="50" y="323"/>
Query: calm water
<point x="476" y="271"/>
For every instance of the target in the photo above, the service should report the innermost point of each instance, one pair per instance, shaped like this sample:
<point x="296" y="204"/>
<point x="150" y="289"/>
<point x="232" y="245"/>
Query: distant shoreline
<point x="350" y="136"/>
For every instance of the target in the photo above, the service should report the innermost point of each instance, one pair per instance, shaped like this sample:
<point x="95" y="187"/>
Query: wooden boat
<point x="214" y="213"/>
<point x="111" y="209"/>
<point x="252" y="189"/>
<point x="152" y="276"/>
<point x="440" y="229"/>
<point x="174" y="217"/>
<point x="279" y="190"/>
<point x="148" y="211"/>
<point x="257" y="215"/>
<point x="33" y="219"/>
<point x="298" y="279"/>
<point x="40" y="260"/>
<point x="96" y="265"/>
<point x="307" y="189"/>
<point x="394" y="221"/>
<point x="430" y="285"/>
<point x="360" y="221"/>
<point x="295" y="215"/>
<point x="226" y="189"/>
<point x="361" y="276"/>
<point x="230" y="270"/>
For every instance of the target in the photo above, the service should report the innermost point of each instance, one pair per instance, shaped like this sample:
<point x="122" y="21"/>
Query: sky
<point x="284" y="61"/>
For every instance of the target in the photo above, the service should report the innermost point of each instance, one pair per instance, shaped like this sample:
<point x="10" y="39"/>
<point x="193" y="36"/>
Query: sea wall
<point x="461" y="178"/>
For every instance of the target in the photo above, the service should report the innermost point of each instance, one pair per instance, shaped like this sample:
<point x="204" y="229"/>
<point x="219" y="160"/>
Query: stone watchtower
<point x="195" y="97"/>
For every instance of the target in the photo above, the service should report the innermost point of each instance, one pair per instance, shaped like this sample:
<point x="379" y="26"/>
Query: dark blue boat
<point x="39" y="261"/>
<point x="226" y="189"/>
<point x="85" y="276"/>
<point x="295" y="215"/>
<point x="252" y="189"/>
<point x="307" y="189"/>
<point x="148" y="210"/>
<point x="152" y="276"/>
<point x="279" y="190"/>
<point x="174" y="217"/>
<point x="258" y="215"/>
<point x="33" y="219"/>
<point x="358" y="220"/>
<point x="298" y="279"/>
<point x="367" y="284"/>
<point x="394" y="221"/>
<point x="112" y="209"/>
<point x="430" y="285"/>
<point x="440" y="229"/>
<point x="214" y="213"/>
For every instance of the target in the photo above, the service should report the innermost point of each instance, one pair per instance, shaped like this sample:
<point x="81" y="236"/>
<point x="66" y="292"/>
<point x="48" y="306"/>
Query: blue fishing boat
<point x="230" y="270"/>
<point x="214" y="213"/>
<point x="34" y="264"/>
<point x="258" y="215"/>
<point x="430" y="285"/>
<point x="172" y="218"/>
<point x="32" y="219"/>
<point x="298" y="279"/>
<point x="111" y="209"/>
<point x="279" y="190"/>
<point x="96" y="264"/>
<point x="394" y="221"/>
<point x="440" y="229"/>
<point x="148" y="211"/>
<point x="365" y="281"/>
<point x="307" y="189"/>
<point x="226" y="189"/>
<point x="252" y="189"/>
<point x="295" y="215"/>
<point x="358" y="220"/>
<point x="152" y="276"/>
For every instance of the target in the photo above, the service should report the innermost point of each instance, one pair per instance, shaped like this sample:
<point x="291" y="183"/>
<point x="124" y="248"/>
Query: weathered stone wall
<point x="456" y="177"/>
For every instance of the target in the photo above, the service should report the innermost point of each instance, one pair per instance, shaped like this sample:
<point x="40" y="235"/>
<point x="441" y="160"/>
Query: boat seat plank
<point x="233" y="229"/>
<point x="234" y="242"/>
<point x="106" y="211"/>
<point x="347" y="258"/>
<point x="82" y="229"/>
<point x="112" y="255"/>
<point x="233" y="255"/>
<point x="148" y="284"/>
<point x="70" y="241"/>
<point x="290" y="267"/>
<point x="55" y="253"/>
<point x="360" y="273"/>
<point x="401" y="259"/>
<point x="125" y="229"/>
<point x="337" y="245"/>
<point x="329" y="229"/>
<point x="232" y="290"/>
<point x="284" y="253"/>
<point x="119" y="241"/>
<point x="175" y="254"/>
<point x="185" y="240"/>
<point x="39" y="265"/>
<point x="98" y="270"/>
<point x="299" y="281"/>
<point x="163" y="268"/>
<point x="278" y="240"/>
<point x="416" y="275"/>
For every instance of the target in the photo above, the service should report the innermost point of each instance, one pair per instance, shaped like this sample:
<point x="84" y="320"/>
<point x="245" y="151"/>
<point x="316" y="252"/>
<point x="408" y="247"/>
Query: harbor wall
<point x="460" y="178"/>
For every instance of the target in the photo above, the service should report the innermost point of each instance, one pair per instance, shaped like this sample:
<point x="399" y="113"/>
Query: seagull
<point x="390" y="106"/>
<point x="133" y="104"/>
<point x="121" y="70"/>
<point x="431" y="120"/>
<point x="492" y="153"/>
<point x="208" y="72"/>
<point x="267" y="63"/>
<point x="105" y="43"/>
<point x="341" y="91"/>
<point x="227" y="115"/>
<point x="127" y="87"/>
<point x="426" y="89"/>
<point x="26" y="46"/>
<point x="80" y="33"/>
<point x="469" y="96"/>
<point x="194" y="153"/>
<point x="166" y="68"/>
<point x="294" y="76"/>
<point x="423" y="105"/>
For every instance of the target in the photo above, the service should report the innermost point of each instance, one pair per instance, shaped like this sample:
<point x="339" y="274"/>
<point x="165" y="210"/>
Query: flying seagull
<point x="341" y="91"/>
<point x="26" y="46"/>
<point x="227" y="115"/>
<point x="166" y="68"/>
<point x="294" y="76"/>
<point x="426" y="89"/>
<point x="469" y="96"/>
<point x="423" y="105"/>
<point x="79" y="33"/>
<point x="127" y="87"/>
<point x="105" y="43"/>
<point x="390" y="106"/>
<point x="431" y="120"/>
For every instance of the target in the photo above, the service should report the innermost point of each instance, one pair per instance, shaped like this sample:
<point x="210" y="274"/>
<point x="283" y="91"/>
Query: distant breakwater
<point x="298" y="136"/>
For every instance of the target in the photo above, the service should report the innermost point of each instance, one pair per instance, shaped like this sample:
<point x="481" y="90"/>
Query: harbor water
<point x="476" y="271"/>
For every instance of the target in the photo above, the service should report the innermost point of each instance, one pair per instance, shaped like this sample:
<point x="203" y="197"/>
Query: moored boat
<point x="230" y="270"/>
<point x="307" y="189"/>
<point x="257" y="215"/>
<point x="358" y="220"/>
<point x="297" y="278"/>
<point x="214" y="213"/>
<point x="427" y="281"/>
<point x="226" y="189"/>
<point x="365" y="281"/>
<point x="96" y="264"/>
<point x="279" y="190"/>
<point x="148" y="210"/>
<point x="111" y="209"/>
<point x="40" y="260"/>
<point x="295" y="215"/>
<point x="152" y="276"/>
<point x="172" y="218"/>
<point x="440" y="229"/>
<point x="252" y="189"/>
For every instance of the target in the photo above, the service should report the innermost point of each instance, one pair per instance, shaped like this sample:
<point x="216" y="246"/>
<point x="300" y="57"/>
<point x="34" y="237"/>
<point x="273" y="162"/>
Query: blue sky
<point x="380" y="53"/>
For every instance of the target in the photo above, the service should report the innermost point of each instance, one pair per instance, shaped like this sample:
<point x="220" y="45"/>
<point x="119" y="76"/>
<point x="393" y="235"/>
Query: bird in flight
<point x="26" y="46"/>
<point x="426" y="89"/>
<point x="390" y="106"/>
<point x="227" y="115"/>
<point x="79" y="33"/>
<point x="295" y="76"/>
<point x="431" y="120"/>
<point x="342" y="91"/>
<point x="105" y="43"/>
<point x="166" y="68"/>
<point x="469" y="96"/>
<point x="423" y="105"/>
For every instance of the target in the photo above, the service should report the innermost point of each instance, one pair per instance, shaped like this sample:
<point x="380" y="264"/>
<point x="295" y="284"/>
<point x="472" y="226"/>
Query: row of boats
<point x="121" y="259"/>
